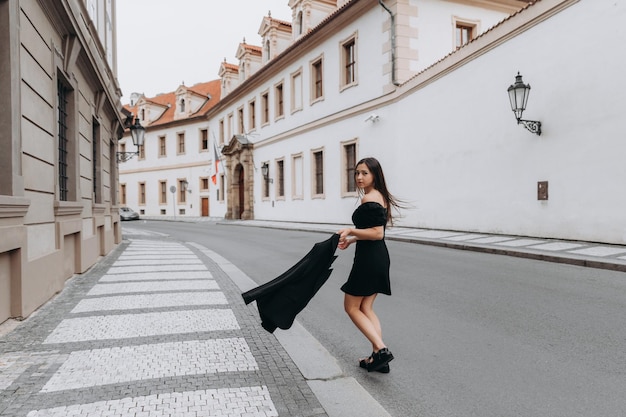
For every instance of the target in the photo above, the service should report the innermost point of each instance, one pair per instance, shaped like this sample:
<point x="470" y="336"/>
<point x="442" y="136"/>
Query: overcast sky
<point x="163" y="43"/>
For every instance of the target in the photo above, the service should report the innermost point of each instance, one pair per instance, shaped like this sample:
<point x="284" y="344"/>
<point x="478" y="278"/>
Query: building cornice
<point x="11" y="207"/>
<point x="507" y="6"/>
<point x="523" y="20"/>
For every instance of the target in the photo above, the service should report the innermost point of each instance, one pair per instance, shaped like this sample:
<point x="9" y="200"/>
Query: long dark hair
<point x="379" y="184"/>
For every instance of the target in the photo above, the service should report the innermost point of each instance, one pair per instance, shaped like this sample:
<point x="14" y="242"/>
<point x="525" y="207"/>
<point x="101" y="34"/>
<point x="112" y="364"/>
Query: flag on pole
<point x="216" y="164"/>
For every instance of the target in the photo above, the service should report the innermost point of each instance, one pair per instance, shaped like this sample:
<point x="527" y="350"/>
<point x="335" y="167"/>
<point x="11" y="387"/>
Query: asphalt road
<point x="473" y="334"/>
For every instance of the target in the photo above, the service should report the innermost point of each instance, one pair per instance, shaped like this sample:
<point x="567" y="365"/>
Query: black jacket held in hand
<point x="280" y="300"/>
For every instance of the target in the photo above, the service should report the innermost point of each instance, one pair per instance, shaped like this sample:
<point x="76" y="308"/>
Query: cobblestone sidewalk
<point x="155" y="329"/>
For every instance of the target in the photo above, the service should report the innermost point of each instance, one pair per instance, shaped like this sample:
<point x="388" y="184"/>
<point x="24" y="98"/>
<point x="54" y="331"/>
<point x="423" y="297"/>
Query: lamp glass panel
<point x="512" y="98"/>
<point x="520" y="98"/>
<point x="138" y="135"/>
<point x="526" y="93"/>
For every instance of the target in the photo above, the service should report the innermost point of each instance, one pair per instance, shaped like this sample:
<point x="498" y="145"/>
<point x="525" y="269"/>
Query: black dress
<point x="370" y="270"/>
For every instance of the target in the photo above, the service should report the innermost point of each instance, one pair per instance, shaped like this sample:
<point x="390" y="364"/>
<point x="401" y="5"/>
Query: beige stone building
<point x="59" y="127"/>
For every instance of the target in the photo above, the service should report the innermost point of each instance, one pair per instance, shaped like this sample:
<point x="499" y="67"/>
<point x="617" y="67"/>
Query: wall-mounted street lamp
<point x="185" y="186"/>
<point x="518" y="95"/>
<point x="137" y="132"/>
<point x="265" y="170"/>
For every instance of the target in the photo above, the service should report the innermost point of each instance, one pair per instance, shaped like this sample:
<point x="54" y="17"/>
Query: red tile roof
<point x="208" y="89"/>
<point x="280" y="22"/>
<point x="228" y="65"/>
<point x="252" y="48"/>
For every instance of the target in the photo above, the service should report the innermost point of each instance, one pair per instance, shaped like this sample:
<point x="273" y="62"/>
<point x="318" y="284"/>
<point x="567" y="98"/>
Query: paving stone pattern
<point x="155" y="329"/>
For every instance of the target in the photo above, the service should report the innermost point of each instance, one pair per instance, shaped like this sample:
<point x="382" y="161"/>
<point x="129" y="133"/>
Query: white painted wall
<point x="473" y="168"/>
<point x="453" y="150"/>
<point x="447" y="139"/>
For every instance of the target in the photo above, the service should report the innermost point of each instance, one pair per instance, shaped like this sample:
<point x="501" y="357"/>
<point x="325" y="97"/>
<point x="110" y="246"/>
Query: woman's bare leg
<point x="367" y="307"/>
<point x="360" y="311"/>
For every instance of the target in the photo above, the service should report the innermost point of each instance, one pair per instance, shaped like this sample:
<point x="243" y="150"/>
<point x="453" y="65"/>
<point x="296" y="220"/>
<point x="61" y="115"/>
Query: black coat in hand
<point x="280" y="300"/>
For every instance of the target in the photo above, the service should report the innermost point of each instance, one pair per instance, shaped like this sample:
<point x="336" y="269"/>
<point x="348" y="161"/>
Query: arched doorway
<point x="240" y="187"/>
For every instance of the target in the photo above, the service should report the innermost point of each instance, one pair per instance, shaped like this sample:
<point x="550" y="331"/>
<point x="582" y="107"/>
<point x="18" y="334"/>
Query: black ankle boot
<point x="364" y="362"/>
<point x="379" y="360"/>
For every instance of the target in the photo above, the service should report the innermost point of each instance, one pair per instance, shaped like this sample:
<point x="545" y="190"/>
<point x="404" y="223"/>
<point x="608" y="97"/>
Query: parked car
<point x="126" y="213"/>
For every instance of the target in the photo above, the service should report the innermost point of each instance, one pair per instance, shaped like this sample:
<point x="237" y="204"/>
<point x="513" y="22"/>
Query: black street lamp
<point x="265" y="170"/>
<point x="137" y="132"/>
<point x="518" y="96"/>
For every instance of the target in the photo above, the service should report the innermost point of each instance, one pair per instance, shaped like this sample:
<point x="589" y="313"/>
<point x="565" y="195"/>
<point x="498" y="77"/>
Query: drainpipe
<point x="393" y="43"/>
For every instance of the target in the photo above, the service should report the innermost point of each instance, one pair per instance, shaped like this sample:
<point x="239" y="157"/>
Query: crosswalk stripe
<point x="123" y="326"/>
<point x="95" y="367"/>
<point x="233" y="402"/>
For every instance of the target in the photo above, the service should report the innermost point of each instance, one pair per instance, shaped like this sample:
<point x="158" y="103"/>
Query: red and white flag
<point x="216" y="164"/>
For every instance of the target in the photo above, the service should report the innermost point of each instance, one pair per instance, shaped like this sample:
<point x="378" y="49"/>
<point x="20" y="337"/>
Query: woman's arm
<point x="350" y="235"/>
<point x="371" y="233"/>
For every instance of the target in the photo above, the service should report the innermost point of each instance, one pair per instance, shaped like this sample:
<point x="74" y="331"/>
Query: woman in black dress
<point x="370" y="271"/>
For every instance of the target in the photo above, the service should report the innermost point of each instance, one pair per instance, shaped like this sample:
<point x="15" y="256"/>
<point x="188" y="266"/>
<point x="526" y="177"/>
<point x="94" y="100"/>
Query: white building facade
<point x="422" y="86"/>
<point x="309" y="100"/>
<point x="171" y="174"/>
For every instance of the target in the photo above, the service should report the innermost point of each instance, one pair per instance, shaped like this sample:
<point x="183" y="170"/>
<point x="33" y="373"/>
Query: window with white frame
<point x="240" y="122"/>
<point x="348" y="62"/>
<point x="182" y="191"/>
<point x="317" y="79"/>
<point x="464" y="31"/>
<point x="280" y="179"/>
<point x="204" y="140"/>
<point x="252" y="114"/>
<point x="142" y="193"/>
<point x="162" y="192"/>
<point x="317" y="174"/>
<point x="297" y="177"/>
<point x="279" y="101"/>
<point x="296" y="91"/>
<point x="265" y="108"/>
<point x="162" y="147"/>
<point x="348" y="162"/>
<point x="229" y="127"/>
<point x="181" y="143"/>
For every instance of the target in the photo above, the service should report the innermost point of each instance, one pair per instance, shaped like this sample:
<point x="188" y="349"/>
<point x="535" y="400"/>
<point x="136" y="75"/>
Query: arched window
<point x="299" y="23"/>
<point x="182" y="105"/>
<point x="143" y="114"/>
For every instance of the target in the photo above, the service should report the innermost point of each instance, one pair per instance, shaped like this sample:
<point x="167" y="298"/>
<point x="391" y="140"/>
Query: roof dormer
<point x="188" y="101"/>
<point x="229" y="75"/>
<point x="148" y="111"/>
<point x="250" y="60"/>
<point x="276" y="35"/>
<point x="306" y="14"/>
